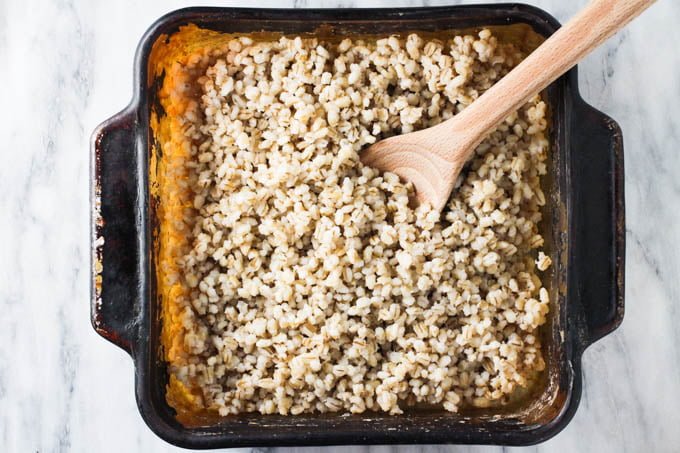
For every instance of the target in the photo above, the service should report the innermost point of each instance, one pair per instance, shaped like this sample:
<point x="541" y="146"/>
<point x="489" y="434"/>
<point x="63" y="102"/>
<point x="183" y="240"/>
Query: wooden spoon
<point x="432" y="158"/>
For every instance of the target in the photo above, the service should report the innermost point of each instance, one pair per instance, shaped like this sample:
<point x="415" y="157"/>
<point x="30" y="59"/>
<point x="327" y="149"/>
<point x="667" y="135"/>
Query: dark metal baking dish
<point x="584" y="226"/>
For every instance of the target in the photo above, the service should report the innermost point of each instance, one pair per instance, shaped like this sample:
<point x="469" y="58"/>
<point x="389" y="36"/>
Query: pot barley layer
<point x="305" y="282"/>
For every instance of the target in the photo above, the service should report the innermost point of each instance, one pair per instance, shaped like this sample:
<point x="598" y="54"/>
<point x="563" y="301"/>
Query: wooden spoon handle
<point x="566" y="47"/>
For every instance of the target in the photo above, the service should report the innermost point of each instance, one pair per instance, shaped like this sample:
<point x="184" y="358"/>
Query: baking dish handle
<point x="598" y="223"/>
<point x="116" y="227"/>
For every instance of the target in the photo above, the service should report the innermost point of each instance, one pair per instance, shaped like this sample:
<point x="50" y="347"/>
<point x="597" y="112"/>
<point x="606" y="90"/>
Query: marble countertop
<point x="67" y="66"/>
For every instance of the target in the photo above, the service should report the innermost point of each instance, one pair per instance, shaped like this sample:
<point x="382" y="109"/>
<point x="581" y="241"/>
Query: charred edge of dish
<point x="97" y="236"/>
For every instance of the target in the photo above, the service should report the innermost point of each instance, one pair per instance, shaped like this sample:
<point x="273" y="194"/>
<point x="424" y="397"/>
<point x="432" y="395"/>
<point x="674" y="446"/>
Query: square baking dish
<point x="583" y="226"/>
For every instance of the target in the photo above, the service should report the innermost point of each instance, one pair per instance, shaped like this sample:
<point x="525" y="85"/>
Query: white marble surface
<point x="66" y="66"/>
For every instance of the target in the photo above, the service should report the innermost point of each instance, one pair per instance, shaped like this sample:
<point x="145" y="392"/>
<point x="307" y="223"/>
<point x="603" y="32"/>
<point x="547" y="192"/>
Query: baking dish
<point x="584" y="226"/>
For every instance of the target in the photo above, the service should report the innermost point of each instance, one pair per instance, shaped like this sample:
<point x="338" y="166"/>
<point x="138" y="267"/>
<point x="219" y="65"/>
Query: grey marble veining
<point x="66" y="66"/>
